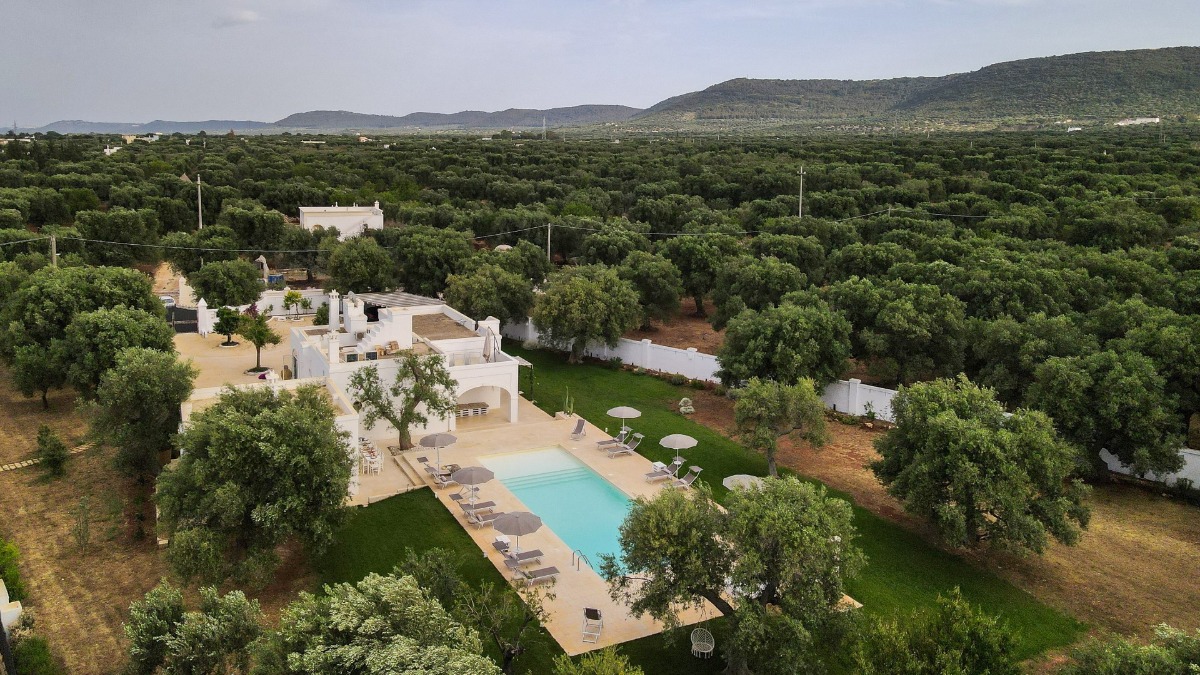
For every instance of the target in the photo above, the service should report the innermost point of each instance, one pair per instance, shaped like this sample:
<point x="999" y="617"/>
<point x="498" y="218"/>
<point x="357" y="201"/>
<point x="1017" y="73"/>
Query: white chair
<point x="593" y="624"/>
<point x="702" y="643"/>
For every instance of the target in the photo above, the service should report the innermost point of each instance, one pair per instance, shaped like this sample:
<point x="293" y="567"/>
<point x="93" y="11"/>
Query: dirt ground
<point x="1134" y="566"/>
<point x="685" y="330"/>
<point x="81" y="598"/>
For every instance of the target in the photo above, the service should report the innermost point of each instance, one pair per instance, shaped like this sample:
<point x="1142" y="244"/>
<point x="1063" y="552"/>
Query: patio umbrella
<point x="678" y="442"/>
<point x="516" y="524"/>
<point x="438" y="441"/>
<point x="472" y="475"/>
<point x="624" y="412"/>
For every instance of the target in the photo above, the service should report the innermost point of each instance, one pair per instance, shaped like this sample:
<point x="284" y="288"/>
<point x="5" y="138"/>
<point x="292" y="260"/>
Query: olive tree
<point x="979" y="475"/>
<point x="94" y="339"/>
<point x="657" y="282"/>
<point x="786" y="343"/>
<point x="232" y="498"/>
<point x="138" y="411"/>
<point x="227" y="283"/>
<point x="215" y="638"/>
<point x="774" y="561"/>
<point x="586" y="304"/>
<point x="766" y="410"/>
<point x="489" y="290"/>
<point x="423" y="387"/>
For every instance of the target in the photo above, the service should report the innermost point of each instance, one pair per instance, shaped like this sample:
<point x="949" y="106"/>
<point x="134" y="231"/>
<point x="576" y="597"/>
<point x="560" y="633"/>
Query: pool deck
<point x="578" y="586"/>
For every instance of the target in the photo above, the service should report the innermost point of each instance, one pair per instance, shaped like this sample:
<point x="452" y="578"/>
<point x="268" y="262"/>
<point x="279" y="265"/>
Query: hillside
<point x="157" y="126"/>
<point x="1158" y="82"/>
<point x="469" y="119"/>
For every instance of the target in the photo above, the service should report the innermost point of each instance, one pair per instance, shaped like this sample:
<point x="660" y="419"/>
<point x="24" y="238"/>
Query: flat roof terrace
<point x="440" y="327"/>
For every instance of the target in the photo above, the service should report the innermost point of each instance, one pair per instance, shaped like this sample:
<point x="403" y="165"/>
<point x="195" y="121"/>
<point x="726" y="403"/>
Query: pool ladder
<point x="577" y="556"/>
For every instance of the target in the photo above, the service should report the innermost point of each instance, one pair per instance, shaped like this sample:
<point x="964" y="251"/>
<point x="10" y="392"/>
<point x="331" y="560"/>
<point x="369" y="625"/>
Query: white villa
<point x="370" y="329"/>
<point x="350" y="221"/>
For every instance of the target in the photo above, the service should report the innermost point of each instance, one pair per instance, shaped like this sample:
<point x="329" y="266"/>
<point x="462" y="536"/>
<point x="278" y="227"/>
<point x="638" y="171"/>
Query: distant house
<point x="1130" y="121"/>
<point x="110" y="151"/>
<point x="349" y="221"/>
<point x="1074" y="129"/>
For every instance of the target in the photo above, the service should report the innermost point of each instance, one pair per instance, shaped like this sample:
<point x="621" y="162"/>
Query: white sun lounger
<point x="686" y="482"/>
<point x="536" y="576"/>
<point x="619" y="439"/>
<point x="666" y="472"/>
<point x="617" y="451"/>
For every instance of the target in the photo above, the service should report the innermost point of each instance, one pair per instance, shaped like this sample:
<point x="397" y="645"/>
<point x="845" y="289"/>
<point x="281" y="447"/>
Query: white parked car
<point x="167" y="301"/>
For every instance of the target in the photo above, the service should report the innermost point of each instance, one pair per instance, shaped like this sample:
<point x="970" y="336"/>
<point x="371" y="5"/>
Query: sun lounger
<point x="480" y="519"/>
<point x="617" y="451"/>
<point x="515" y="560"/>
<point x="686" y="482"/>
<point x="619" y="439"/>
<point x="477" y="507"/>
<point x="578" y="432"/>
<point x="666" y="472"/>
<point x="536" y="576"/>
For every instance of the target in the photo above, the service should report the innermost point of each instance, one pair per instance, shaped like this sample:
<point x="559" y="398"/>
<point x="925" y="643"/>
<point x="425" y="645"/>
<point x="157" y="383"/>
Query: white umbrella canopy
<point x="472" y="475"/>
<point x="678" y="442"/>
<point x="438" y="441"/>
<point x="516" y="524"/>
<point x="624" y="412"/>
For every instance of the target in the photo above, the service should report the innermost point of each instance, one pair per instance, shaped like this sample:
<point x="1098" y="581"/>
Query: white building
<point x="1132" y="121"/>
<point x="371" y="329"/>
<point x="350" y="221"/>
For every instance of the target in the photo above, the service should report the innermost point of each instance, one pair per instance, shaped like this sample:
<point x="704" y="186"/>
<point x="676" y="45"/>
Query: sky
<point x="140" y="60"/>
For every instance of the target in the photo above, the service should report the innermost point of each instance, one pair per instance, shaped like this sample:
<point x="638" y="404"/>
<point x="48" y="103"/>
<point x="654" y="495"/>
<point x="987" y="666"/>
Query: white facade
<point x="483" y="372"/>
<point x="350" y="221"/>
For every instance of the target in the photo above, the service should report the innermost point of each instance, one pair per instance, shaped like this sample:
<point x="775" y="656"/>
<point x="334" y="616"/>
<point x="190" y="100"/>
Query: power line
<point x="25" y="241"/>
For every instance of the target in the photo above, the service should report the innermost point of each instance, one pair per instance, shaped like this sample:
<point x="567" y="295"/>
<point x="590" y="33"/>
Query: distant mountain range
<point x="1105" y="85"/>
<point x="1156" y="82"/>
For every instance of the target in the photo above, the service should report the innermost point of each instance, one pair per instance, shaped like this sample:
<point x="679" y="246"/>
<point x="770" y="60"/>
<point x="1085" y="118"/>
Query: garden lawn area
<point x="903" y="573"/>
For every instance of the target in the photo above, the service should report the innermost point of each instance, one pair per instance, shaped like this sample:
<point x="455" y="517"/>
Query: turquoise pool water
<point x="578" y="504"/>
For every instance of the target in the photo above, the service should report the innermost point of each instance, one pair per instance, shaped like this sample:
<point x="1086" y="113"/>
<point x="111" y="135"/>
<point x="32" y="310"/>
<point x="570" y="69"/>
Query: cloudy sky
<point x="138" y="60"/>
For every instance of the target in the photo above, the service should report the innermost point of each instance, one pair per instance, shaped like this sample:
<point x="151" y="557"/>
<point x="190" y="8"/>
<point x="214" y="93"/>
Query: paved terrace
<point x="576" y="587"/>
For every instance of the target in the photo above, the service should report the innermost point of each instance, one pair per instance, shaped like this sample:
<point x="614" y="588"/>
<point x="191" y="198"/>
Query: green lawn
<point x="903" y="571"/>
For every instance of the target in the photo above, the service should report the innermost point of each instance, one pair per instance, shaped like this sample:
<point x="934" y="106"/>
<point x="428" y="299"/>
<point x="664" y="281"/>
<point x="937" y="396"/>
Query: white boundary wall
<point x="206" y="317"/>
<point x="1190" y="470"/>
<point x="848" y="396"/>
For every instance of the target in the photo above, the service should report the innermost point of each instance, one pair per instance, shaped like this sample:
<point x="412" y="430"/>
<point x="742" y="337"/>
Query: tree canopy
<point x="227" y="283"/>
<point x="422" y="388"/>
<point x="980" y="475"/>
<point x="94" y="340"/>
<point x="786" y="343"/>
<point x="783" y="551"/>
<point x="490" y="290"/>
<point x="766" y="410"/>
<point x="361" y="265"/>
<point x="231" y="498"/>
<point x="585" y="304"/>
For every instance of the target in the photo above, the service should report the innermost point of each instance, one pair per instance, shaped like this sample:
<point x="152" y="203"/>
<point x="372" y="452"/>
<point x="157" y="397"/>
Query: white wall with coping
<point x="1190" y="470"/>
<point x="349" y="221"/>
<point x="848" y="396"/>
<point x="10" y="611"/>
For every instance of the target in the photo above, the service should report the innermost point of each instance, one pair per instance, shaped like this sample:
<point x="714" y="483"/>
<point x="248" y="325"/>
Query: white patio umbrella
<point x="472" y="475"/>
<point x="624" y="412"/>
<point x="516" y="524"/>
<point x="438" y="441"/>
<point x="678" y="442"/>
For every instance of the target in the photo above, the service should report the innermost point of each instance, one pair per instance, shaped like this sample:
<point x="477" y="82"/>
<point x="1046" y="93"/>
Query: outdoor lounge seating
<point x="477" y="507"/>
<point x="623" y="449"/>
<point x="480" y="519"/>
<point x="619" y="439"/>
<point x="665" y="472"/>
<point x="686" y="481"/>
<point x="535" y="576"/>
<point x="593" y="624"/>
<point x="579" y="432"/>
<point x="515" y="560"/>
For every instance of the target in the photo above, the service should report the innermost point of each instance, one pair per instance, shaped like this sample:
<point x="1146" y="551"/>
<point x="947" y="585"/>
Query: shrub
<point x="613" y="364"/>
<point x="52" y="452"/>
<point x="676" y="379"/>
<point x="9" y="571"/>
<point x="33" y="657"/>
<point x="700" y="385"/>
<point x="322" y="316"/>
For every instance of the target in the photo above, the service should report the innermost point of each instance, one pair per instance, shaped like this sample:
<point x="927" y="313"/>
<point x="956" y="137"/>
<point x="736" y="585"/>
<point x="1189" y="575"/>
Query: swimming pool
<point x="578" y="504"/>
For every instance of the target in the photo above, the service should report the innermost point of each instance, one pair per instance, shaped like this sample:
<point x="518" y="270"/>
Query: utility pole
<point x="199" y="203"/>
<point x="548" y="226"/>
<point x="800" y="209"/>
<point x="53" y="251"/>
